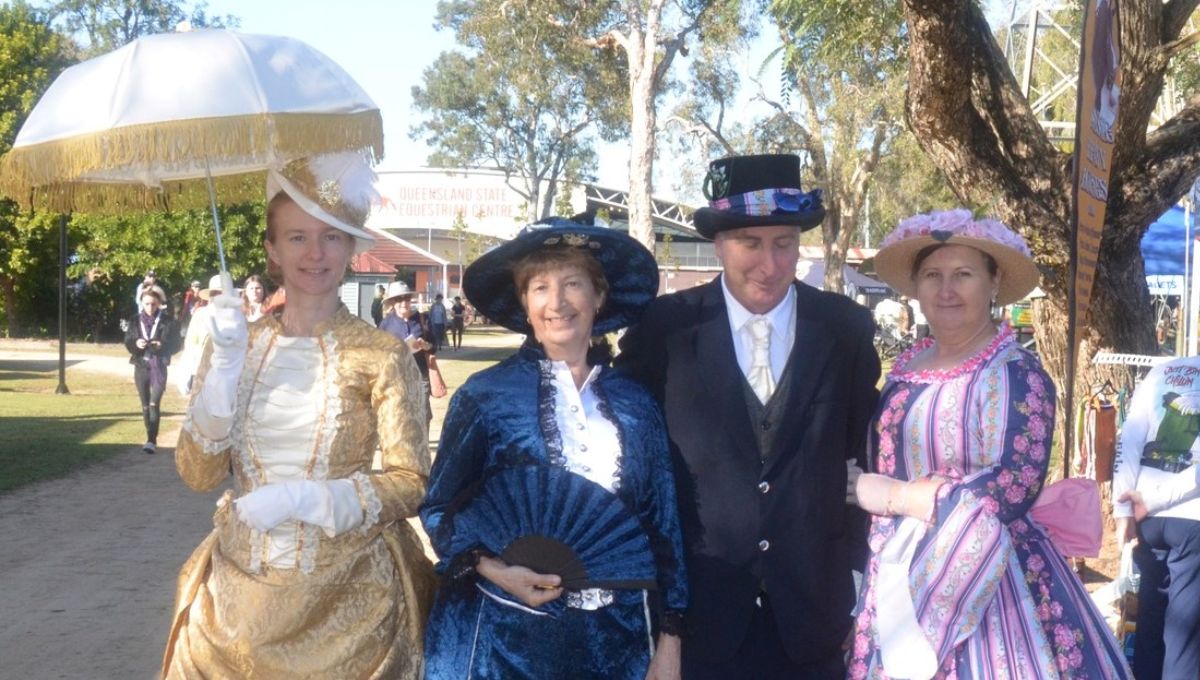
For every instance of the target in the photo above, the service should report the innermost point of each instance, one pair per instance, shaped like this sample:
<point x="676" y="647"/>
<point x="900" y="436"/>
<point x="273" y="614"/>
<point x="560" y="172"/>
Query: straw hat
<point x="214" y="287"/>
<point x="894" y="262"/>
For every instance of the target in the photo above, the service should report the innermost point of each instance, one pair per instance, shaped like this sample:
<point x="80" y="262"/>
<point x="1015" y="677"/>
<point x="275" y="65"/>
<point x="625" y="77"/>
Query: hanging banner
<point x="1099" y="95"/>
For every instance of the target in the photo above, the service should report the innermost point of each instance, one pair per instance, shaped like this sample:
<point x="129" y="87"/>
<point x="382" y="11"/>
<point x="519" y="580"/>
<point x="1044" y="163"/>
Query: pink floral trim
<point x="958" y="222"/>
<point x="930" y="376"/>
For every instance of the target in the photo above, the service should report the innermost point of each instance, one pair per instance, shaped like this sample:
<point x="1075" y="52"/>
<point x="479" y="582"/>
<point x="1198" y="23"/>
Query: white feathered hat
<point x="336" y="188"/>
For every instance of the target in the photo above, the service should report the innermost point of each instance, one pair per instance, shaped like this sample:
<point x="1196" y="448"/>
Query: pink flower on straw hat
<point x="958" y="221"/>
<point x="959" y="226"/>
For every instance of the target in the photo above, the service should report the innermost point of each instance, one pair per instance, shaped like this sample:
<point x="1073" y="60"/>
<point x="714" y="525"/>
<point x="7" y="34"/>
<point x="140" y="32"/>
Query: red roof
<point x="387" y="254"/>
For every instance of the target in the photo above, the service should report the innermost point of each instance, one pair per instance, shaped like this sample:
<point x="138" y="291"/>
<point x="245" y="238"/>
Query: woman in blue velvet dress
<point x="555" y="402"/>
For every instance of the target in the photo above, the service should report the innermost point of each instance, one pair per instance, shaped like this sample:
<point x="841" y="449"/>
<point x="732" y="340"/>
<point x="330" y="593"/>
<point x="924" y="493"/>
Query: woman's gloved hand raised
<point x="227" y="328"/>
<point x="212" y="412"/>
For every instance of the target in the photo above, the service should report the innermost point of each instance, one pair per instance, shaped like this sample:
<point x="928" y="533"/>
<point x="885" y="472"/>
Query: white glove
<point x="213" y="412"/>
<point x="332" y="505"/>
<point x="871" y="492"/>
<point x="227" y="328"/>
<point x="265" y="508"/>
<point x="853" y="471"/>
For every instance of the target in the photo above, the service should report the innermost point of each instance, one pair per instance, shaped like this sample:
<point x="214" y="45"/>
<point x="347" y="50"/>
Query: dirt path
<point x="89" y="562"/>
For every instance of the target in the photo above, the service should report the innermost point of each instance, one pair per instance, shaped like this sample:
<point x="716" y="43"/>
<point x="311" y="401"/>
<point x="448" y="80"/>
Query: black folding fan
<point x="553" y="521"/>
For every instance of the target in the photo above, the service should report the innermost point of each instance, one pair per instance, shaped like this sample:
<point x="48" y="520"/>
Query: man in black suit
<point x="768" y="386"/>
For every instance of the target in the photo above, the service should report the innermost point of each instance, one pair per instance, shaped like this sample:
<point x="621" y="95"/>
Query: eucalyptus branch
<point x="701" y="128"/>
<point x="1173" y="48"/>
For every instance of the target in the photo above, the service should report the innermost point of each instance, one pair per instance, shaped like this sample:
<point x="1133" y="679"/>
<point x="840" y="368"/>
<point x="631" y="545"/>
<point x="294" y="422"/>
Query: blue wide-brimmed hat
<point x="756" y="191"/>
<point x="629" y="268"/>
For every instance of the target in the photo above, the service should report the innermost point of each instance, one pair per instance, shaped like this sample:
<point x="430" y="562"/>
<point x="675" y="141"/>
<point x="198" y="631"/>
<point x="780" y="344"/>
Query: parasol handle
<point x="212" y="205"/>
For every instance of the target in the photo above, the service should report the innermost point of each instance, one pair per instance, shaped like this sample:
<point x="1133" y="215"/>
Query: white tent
<point x="812" y="272"/>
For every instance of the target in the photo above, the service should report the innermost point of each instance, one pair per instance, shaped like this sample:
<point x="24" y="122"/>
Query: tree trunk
<point x="968" y="113"/>
<point x="835" y="257"/>
<point x="8" y="287"/>
<point x="641" y="135"/>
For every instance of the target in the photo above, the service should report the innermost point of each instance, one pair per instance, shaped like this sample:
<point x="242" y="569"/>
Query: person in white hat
<point x="404" y="322"/>
<point x="311" y="569"/>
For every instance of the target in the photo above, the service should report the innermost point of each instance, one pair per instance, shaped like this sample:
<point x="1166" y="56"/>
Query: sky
<point x="385" y="45"/>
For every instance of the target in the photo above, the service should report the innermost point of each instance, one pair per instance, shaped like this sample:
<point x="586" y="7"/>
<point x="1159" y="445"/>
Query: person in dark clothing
<point x="762" y="468"/>
<point x="377" y="305"/>
<point x="437" y="322"/>
<point x="151" y="340"/>
<point x="457" y="322"/>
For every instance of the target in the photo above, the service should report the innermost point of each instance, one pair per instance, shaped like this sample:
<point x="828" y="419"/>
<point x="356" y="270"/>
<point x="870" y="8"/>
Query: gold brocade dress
<point x="294" y="602"/>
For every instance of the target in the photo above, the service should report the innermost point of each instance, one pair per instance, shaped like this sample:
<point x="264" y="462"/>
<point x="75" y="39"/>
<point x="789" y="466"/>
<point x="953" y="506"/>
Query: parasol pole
<point x="212" y="205"/>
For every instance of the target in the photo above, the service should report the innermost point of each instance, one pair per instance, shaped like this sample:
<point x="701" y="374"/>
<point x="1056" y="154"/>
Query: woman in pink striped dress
<point x="961" y="582"/>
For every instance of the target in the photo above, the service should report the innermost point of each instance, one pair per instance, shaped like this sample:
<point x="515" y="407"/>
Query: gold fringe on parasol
<point x="70" y="174"/>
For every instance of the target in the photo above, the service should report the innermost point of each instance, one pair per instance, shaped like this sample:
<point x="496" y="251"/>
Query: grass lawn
<point x="45" y="435"/>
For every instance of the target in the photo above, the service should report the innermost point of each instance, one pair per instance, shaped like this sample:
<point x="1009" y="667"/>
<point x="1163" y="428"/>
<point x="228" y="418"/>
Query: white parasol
<point x="156" y="123"/>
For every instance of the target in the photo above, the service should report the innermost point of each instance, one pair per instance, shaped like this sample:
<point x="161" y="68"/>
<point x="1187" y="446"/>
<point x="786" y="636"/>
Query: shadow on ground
<point x="25" y="457"/>
<point x="24" y="369"/>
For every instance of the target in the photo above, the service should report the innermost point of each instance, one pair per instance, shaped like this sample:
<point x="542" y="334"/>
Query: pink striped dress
<point x="987" y="595"/>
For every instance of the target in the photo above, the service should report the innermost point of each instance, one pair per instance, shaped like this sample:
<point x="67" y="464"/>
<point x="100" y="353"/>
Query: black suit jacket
<point x="733" y="497"/>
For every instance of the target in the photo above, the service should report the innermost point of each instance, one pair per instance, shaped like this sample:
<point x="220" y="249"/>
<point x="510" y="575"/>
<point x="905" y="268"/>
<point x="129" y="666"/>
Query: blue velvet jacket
<point x="503" y="417"/>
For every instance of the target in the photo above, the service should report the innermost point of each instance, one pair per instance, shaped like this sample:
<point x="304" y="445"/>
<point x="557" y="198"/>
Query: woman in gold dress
<point x="311" y="570"/>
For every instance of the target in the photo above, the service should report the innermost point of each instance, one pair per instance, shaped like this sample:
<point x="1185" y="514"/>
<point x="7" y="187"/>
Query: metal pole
<point x="62" y="306"/>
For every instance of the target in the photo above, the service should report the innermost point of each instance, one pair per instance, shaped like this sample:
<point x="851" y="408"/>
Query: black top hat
<point x="629" y="268"/>
<point x="756" y="191"/>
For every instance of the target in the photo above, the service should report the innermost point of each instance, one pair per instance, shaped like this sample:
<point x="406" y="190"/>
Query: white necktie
<point x="760" y="378"/>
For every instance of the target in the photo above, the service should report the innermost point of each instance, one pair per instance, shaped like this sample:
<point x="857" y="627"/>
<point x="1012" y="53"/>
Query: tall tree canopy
<point x="108" y="253"/>
<point x="843" y="61"/>
<point x="104" y="25"/>
<point x="32" y="54"/>
<point x="529" y="99"/>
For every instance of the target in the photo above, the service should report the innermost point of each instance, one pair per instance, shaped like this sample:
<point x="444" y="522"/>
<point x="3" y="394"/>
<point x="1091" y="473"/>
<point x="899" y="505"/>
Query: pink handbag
<point x="1069" y="511"/>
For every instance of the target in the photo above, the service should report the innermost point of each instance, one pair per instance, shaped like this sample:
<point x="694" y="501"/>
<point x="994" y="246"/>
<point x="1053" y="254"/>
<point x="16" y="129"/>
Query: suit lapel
<point x="716" y="360"/>
<point x="811" y="352"/>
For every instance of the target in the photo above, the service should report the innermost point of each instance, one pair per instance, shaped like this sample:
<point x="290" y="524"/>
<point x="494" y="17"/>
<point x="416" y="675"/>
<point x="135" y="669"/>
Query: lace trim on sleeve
<point x="371" y="504"/>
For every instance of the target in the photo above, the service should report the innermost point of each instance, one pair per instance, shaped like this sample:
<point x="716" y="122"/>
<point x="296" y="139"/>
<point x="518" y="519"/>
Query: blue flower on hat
<point x="787" y="201"/>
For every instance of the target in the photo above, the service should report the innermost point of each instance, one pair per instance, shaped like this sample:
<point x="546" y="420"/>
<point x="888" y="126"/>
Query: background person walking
<point x="151" y="340"/>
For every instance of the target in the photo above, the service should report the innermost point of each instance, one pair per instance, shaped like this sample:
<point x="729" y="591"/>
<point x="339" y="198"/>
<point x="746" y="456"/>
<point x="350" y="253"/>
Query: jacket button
<point x="764" y="545"/>
<point x="764" y="487"/>
<point x="766" y="425"/>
